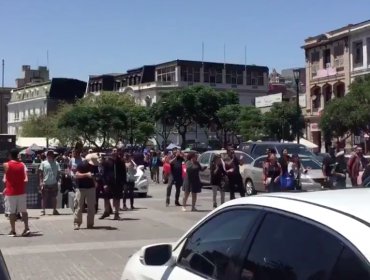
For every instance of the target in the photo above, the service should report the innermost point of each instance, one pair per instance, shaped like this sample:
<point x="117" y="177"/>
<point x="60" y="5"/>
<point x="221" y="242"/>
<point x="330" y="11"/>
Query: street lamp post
<point x="296" y="73"/>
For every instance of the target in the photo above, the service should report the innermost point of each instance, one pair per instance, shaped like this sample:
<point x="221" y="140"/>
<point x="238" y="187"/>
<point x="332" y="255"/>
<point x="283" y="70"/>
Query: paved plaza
<point x="56" y="251"/>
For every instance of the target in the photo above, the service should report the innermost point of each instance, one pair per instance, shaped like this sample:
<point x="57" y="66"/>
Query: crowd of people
<point x="111" y="177"/>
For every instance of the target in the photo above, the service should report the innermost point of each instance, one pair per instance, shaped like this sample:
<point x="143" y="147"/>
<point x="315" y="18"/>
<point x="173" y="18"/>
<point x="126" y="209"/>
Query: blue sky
<point x="94" y="36"/>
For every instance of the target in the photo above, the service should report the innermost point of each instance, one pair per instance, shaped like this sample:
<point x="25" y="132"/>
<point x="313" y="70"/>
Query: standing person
<point x="284" y="161"/>
<point x="218" y="179"/>
<point x="271" y="173"/>
<point x="114" y="177"/>
<point x="166" y="172"/>
<point x="328" y="167"/>
<point x="175" y="177"/>
<point x="155" y="163"/>
<point x="356" y="167"/>
<point x="66" y="184"/>
<point x="130" y="182"/>
<point x="85" y="177"/>
<point x="233" y="172"/>
<point x="340" y="171"/>
<point x="49" y="171"/>
<point x="192" y="182"/>
<point x="15" y="177"/>
<point x="294" y="171"/>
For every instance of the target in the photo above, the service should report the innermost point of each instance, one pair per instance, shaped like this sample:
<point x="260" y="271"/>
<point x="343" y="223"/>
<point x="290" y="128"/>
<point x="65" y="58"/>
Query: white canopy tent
<point x="307" y="143"/>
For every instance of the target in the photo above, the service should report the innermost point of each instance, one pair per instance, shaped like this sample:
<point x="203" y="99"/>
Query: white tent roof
<point x="39" y="141"/>
<point x="307" y="143"/>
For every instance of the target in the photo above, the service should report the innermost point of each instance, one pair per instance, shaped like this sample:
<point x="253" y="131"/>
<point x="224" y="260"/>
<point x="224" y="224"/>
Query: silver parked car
<point x="206" y="158"/>
<point x="312" y="177"/>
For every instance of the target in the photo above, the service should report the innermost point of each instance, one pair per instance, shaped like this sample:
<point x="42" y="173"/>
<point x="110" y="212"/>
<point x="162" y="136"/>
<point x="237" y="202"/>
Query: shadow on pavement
<point x="100" y="227"/>
<point x="33" y="234"/>
<point x="129" y="219"/>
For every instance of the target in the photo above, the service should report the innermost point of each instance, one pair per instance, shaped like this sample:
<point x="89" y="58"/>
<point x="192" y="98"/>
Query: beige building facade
<point x="333" y="61"/>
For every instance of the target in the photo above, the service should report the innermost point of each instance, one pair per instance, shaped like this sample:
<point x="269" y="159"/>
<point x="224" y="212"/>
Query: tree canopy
<point x="349" y="114"/>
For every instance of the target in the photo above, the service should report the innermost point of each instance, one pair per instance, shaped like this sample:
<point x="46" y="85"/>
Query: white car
<point x="141" y="183"/>
<point x="312" y="235"/>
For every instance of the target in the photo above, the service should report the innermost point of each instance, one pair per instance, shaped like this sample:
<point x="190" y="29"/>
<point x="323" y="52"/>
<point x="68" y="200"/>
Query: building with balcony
<point x="333" y="61"/>
<point x="146" y="83"/>
<point x="41" y="99"/>
<point x="32" y="76"/>
<point x="360" y="49"/>
<point x="5" y="94"/>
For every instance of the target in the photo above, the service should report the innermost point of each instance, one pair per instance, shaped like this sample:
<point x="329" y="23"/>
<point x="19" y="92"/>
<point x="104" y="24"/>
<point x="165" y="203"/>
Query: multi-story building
<point x="32" y="76"/>
<point x="327" y="75"/>
<point x="360" y="49"/>
<point x="106" y="82"/>
<point x="41" y="99"/>
<point x="146" y="83"/>
<point x="5" y="94"/>
<point x="333" y="61"/>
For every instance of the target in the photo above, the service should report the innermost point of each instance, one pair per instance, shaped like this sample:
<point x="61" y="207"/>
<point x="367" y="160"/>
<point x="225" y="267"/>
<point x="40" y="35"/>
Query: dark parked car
<point x="257" y="149"/>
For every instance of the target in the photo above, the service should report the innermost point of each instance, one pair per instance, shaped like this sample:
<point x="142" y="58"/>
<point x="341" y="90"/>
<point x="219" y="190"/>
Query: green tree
<point x="251" y="123"/>
<point x="36" y="126"/>
<point x="281" y="122"/>
<point x="178" y="106"/>
<point x="350" y="114"/>
<point x="98" y="119"/>
<point x="229" y="117"/>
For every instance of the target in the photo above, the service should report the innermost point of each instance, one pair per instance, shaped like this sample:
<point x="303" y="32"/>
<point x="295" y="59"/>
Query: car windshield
<point x="310" y="164"/>
<point x="300" y="150"/>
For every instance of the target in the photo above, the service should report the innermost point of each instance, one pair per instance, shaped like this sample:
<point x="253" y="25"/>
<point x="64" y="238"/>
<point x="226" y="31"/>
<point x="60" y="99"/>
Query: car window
<point x="350" y="266"/>
<point x="259" y="162"/>
<point x="260" y="150"/>
<point x="287" y="248"/>
<point x="209" y="248"/>
<point x="205" y="158"/>
<point x="299" y="150"/>
<point x="310" y="164"/>
<point x="246" y="159"/>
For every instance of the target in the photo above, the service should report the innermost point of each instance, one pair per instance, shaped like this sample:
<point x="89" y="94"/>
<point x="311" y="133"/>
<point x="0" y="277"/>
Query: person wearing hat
<point x="85" y="178"/>
<point x="49" y="172"/>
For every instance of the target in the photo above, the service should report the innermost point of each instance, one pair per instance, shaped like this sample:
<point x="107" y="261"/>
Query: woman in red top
<point x="15" y="191"/>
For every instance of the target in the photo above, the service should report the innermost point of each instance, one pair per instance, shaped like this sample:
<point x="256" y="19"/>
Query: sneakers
<point x="215" y="205"/>
<point x="76" y="227"/>
<point x="105" y="215"/>
<point x="26" y="232"/>
<point x="177" y="203"/>
<point x="193" y="209"/>
<point x="55" y="212"/>
<point x="183" y="209"/>
<point x="12" y="234"/>
<point x="43" y="213"/>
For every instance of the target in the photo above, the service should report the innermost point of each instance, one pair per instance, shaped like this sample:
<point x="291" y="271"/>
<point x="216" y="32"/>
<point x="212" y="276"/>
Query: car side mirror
<point x="156" y="254"/>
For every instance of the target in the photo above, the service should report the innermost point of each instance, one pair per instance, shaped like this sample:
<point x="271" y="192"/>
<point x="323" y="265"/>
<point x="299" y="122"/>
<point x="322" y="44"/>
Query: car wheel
<point x="142" y="195"/>
<point x="249" y="187"/>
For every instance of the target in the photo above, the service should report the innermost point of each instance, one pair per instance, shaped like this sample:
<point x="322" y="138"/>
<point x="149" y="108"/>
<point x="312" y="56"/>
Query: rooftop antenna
<point x="2" y="72"/>
<point x="47" y="59"/>
<point x="245" y="58"/>
<point x="225" y="56"/>
<point x="202" y="53"/>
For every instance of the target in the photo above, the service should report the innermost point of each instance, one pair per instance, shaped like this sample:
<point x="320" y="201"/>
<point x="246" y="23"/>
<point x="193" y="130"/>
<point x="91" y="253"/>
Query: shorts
<point x="15" y="204"/>
<point x="50" y="191"/>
